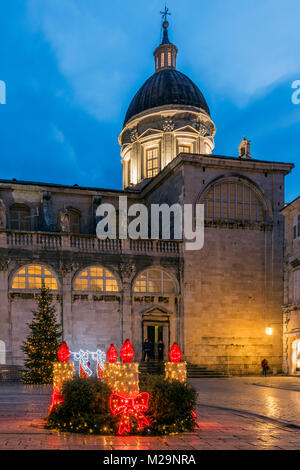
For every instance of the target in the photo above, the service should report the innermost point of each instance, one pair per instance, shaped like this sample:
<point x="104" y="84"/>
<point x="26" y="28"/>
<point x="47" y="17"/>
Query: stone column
<point x="5" y="319"/>
<point x="66" y="271"/>
<point x="127" y="272"/>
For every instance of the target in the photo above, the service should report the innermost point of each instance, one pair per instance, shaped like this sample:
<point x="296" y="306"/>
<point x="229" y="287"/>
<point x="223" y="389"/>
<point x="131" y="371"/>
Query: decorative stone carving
<point x="126" y="270"/>
<point x="64" y="220"/>
<point x="47" y="210"/>
<point x="168" y="125"/>
<point x="4" y="265"/>
<point x="65" y="268"/>
<point x="2" y="214"/>
<point x="134" y="135"/>
<point x="206" y="128"/>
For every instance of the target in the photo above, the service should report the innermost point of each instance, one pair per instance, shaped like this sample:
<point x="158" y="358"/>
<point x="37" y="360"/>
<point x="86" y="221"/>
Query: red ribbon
<point x="127" y="406"/>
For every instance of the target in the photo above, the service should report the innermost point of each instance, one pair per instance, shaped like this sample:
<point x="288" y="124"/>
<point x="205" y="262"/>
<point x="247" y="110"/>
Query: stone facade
<point x="291" y="308"/>
<point x="216" y="303"/>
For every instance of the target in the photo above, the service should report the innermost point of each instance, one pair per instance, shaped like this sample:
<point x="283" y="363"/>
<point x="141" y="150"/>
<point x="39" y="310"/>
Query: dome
<point x="167" y="86"/>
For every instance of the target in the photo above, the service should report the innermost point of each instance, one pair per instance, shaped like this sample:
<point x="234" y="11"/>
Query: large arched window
<point x="233" y="201"/>
<point x="32" y="277"/>
<point x="20" y="217"/>
<point x="96" y="279"/>
<point x="154" y="281"/>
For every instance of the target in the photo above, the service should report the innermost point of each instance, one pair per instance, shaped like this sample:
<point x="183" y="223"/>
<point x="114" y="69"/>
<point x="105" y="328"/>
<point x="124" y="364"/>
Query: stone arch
<point x="235" y="178"/>
<point x="96" y="278"/>
<point x="31" y="276"/>
<point x="149" y="278"/>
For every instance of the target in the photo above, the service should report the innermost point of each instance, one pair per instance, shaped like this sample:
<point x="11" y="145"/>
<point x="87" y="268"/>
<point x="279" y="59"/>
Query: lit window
<point x="96" y="279"/>
<point x="154" y="281"/>
<point x="297" y="285"/>
<point x="19" y="217"/>
<point x="162" y="60"/>
<point x="151" y="162"/>
<point x="233" y="201"/>
<point x="32" y="277"/>
<point x="169" y="59"/>
<point x="184" y="149"/>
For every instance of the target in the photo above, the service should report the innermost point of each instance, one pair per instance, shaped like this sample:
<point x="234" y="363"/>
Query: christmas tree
<point x="42" y="343"/>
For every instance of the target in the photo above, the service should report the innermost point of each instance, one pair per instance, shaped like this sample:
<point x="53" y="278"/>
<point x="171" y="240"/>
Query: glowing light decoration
<point x="122" y="378"/>
<point x="176" y="371"/>
<point x="84" y="358"/>
<point x="127" y="351"/>
<point x="63" y="352"/>
<point x="175" y="353"/>
<point x="62" y="371"/>
<point x="120" y="404"/>
<point x="112" y="354"/>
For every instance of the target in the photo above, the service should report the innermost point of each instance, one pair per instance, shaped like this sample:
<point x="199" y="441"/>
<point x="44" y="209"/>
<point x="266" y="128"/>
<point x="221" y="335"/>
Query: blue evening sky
<point x="71" y="68"/>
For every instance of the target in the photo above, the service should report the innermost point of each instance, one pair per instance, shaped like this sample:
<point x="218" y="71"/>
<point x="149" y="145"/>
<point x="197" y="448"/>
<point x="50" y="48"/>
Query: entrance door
<point x="156" y="331"/>
<point x="154" y="335"/>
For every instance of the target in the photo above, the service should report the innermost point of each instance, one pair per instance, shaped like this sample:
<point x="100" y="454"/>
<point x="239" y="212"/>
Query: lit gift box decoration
<point x="62" y="372"/>
<point x="175" y="370"/>
<point x="123" y="378"/>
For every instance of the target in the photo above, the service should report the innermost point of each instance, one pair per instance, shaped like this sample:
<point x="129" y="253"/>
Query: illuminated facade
<point x="215" y="303"/>
<point x="291" y="308"/>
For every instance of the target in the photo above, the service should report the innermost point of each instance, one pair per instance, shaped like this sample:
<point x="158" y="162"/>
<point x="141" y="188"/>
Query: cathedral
<point x="221" y="304"/>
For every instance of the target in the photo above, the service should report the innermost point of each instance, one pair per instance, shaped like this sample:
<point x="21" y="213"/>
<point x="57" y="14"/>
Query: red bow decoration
<point x="127" y="406"/>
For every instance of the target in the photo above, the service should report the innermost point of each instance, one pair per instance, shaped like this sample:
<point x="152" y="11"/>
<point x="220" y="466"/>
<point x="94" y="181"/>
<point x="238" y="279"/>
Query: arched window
<point x="74" y="220"/>
<point x="234" y="201"/>
<point x="154" y="281"/>
<point x="32" y="277"/>
<point x="96" y="279"/>
<point x="2" y="352"/>
<point x="20" y="217"/>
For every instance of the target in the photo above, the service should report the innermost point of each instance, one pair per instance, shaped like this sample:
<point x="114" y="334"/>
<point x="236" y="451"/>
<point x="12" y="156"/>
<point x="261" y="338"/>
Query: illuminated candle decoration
<point x="175" y="353"/>
<point x="122" y="378"/>
<point x="62" y="371"/>
<point x="63" y="352"/>
<point x="127" y="351"/>
<point x="176" y="371"/>
<point x="112" y="354"/>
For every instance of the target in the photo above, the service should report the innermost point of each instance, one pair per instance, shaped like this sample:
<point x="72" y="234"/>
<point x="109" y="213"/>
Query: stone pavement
<point x="233" y="413"/>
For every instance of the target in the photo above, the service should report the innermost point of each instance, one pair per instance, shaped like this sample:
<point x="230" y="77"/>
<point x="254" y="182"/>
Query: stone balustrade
<point x="44" y="241"/>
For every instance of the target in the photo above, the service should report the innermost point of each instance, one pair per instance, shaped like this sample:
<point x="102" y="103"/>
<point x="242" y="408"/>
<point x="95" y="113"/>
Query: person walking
<point x="265" y="366"/>
<point x="146" y="350"/>
<point x="160" y="350"/>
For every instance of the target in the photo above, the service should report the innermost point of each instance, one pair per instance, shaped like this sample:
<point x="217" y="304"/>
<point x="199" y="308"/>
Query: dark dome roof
<point x="167" y="86"/>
